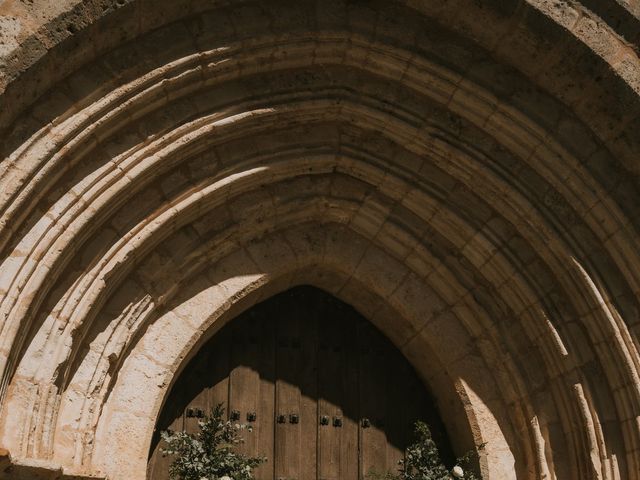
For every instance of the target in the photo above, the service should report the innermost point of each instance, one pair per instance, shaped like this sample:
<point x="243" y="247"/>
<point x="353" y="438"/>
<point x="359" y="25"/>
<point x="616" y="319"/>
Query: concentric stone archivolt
<point x="192" y="182"/>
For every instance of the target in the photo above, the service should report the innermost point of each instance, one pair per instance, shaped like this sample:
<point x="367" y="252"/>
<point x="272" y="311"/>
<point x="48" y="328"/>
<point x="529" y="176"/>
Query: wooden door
<point x="327" y="395"/>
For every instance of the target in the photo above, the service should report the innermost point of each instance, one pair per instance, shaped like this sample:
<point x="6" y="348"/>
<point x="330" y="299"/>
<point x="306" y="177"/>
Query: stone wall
<point x="464" y="173"/>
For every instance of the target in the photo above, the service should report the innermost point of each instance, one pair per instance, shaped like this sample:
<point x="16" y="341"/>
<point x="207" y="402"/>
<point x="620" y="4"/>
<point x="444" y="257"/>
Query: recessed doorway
<point x="328" y="395"/>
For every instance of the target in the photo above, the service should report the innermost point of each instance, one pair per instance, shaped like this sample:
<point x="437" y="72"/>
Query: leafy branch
<point x="210" y="454"/>
<point x="422" y="461"/>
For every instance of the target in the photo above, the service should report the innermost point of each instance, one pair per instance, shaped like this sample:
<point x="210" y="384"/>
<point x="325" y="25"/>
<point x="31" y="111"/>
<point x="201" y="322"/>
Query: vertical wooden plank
<point x="218" y="366"/>
<point x="296" y="391"/>
<point x="264" y="331"/>
<point x="337" y="393"/>
<point x="329" y="397"/>
<point x="195" y="389"/>
<point x="409" y="416"/>
<point x="395" y="381"/>
<point x="287" y="434"/>
<point x="306" y="311"/>
<point x="349" y="453"/>
<point x="373" y="399"/>
<point x="244" y="379"/>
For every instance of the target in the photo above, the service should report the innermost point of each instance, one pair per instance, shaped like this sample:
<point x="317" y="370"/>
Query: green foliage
<point x="467" y="462"/>
<point x="422" y="461"/>
<point x="209" y="454"/>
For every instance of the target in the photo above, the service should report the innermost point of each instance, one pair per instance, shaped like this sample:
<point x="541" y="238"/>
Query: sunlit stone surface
<point x="464" y="173"/>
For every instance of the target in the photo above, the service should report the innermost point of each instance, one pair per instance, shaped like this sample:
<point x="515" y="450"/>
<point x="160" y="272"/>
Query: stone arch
<point x="241" y="294"/>
<point x="477" y="160"/>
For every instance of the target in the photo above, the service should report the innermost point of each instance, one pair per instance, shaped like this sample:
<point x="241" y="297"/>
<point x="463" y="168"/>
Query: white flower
<point x="226" y="477"/>
<point x="457" y="472"/>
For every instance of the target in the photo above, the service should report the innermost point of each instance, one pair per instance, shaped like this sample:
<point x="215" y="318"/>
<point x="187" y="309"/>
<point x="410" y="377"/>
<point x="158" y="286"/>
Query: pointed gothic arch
<point x="463" y="173"/>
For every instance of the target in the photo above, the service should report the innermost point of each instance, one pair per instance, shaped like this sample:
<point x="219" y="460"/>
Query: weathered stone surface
<point x="464" y="173"/>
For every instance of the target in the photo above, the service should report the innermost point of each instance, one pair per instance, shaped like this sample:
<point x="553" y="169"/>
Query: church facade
<point x="331" y="216"/>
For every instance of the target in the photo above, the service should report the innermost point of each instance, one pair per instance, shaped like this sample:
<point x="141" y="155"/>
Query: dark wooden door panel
<point x="288" y="428"/>
<point x="330" y="397"/>
<point x="373" y="400"/>
<point x="263" y="327"/>
<point x="349" y="377"/>
<point x="305" y="313"/>
<point x="158" y="463"/>
<point x="395" y="406"/>
<point x="196" y="395"/>
<point x="218" y="368"/>
<point x="327" y="395"/>
<point x="337" y="398"/>
<point x="244" y="383"/>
